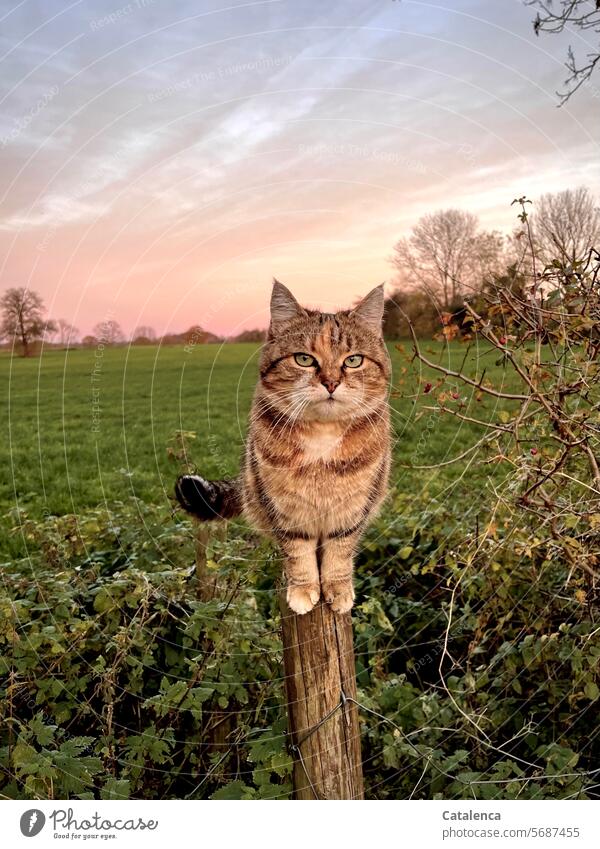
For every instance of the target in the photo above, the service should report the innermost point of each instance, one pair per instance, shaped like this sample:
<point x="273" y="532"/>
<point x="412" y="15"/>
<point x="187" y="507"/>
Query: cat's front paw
<point x="339" y="594"/>
<point x="302" y="599"/>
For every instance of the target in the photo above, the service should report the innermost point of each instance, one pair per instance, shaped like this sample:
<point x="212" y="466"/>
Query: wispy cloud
<point x="155" y="155"/>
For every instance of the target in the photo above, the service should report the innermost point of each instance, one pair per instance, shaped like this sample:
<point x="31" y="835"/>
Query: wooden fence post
<point x="221" y="722"/>
<point x="206" y="584"/>
<point x="320" y="677"/>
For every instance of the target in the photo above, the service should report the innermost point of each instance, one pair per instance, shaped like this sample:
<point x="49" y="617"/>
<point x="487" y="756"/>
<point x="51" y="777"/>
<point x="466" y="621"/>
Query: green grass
<point x="56" y="460"/>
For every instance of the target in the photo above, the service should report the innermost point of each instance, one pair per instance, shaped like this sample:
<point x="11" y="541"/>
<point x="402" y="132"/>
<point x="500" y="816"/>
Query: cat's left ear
<point x="370" y="309"/>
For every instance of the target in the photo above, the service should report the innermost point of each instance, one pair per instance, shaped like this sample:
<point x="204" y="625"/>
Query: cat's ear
<point x="370" y="309"/>
<point x="284" y="305"/>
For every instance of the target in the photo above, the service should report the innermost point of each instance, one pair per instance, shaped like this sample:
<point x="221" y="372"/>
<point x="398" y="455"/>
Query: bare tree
<point x="67" y="333"/>
<point x="565" y="226"/>
<point x="447" y="256"/>
<point x="23" y="317"/>
<point x="49" y="332"/>
<point x="109" y="332"/>
<point x="582" y="15"/>
<point x="144" y="334"/>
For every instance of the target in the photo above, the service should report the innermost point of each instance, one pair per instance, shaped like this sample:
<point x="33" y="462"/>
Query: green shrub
<point x="119" y="678"/>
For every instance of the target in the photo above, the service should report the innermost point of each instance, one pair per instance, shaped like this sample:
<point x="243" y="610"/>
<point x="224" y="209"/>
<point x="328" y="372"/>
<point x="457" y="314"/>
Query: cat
<point x="317" y="456"/>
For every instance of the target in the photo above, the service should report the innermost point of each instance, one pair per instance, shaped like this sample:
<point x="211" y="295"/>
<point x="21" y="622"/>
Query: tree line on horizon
<point x="25" y="328"/>
<point x="446" y="259"/>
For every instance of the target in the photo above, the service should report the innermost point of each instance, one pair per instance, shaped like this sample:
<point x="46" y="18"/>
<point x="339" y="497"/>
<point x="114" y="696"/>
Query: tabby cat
<point x="317" y="454"/>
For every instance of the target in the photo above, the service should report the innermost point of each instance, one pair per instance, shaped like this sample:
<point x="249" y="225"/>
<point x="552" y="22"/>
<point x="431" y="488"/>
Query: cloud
<point x="184" y="149"/>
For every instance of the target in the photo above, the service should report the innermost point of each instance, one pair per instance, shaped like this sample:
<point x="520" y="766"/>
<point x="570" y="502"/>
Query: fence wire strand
<point x="345" y="700"/>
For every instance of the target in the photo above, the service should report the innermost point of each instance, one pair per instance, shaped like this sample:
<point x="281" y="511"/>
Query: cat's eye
<point x="354" y="361"/>
<point x="305" y="360"/>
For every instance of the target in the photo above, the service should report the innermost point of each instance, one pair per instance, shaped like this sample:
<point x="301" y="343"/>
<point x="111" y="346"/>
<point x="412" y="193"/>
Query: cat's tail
<point x="209" y="499"/>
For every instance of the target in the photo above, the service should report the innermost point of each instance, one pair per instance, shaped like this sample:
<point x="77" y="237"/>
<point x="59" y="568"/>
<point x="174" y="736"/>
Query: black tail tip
<point x="197" y="496"/>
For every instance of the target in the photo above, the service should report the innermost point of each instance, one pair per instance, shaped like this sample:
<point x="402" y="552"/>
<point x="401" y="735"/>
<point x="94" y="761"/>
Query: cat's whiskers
<point x="296" y="404"/>
<point x="294" y="415"/>
<point x="262" y="404"/>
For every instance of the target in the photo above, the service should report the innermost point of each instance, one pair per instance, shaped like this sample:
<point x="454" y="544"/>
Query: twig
<point x="508" y="395"/>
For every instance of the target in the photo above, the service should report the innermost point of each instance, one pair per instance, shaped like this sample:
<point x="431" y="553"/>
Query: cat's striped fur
<point x="317" y="454"/>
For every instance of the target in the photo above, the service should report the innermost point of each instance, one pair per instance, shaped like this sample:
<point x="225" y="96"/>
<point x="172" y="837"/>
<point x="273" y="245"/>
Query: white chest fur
<point x="321" y="445"/>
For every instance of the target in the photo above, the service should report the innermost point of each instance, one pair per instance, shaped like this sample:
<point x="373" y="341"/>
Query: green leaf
<point x="44" y="734"/>
<point x="116" y="788"/>
<point x="235" y="790"/>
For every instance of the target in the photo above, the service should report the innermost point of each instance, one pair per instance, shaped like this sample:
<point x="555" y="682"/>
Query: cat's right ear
<point x="284" y="305"/>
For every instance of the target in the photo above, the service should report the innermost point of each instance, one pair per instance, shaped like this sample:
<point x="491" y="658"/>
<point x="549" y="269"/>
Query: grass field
<point x="85" y="427"/>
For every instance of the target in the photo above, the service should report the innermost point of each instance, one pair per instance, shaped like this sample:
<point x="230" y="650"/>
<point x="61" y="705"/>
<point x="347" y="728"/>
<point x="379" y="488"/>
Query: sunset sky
<point x="162" y="161"/>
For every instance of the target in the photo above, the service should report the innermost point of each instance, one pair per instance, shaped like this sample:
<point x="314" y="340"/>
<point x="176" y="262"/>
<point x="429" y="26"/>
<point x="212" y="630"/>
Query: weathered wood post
<point x="222" y="722"/>
<point x="320" y="677"/>
<point x="206" y="584"/>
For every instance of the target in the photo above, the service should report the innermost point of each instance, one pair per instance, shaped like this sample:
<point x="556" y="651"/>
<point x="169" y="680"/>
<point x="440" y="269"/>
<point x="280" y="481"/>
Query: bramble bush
<point x="120" y="680"/>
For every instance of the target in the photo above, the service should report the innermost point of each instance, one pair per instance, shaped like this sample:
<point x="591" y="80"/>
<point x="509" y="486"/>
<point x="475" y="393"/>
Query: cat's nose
<point x="329" y="384"/>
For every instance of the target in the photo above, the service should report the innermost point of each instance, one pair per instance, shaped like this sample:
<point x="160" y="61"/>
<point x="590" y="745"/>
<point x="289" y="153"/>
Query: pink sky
<point x="162" y="162"/>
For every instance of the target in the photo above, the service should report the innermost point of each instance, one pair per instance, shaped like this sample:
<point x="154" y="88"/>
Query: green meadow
<point x="84" y="428"/>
